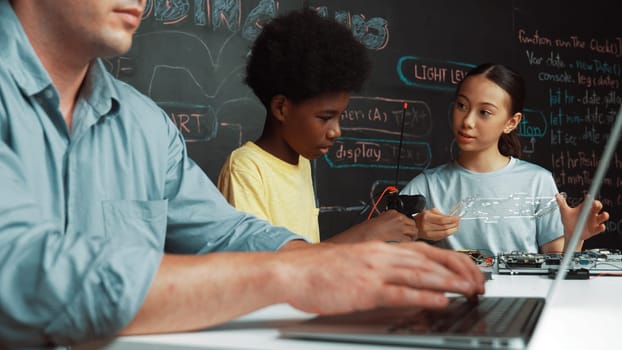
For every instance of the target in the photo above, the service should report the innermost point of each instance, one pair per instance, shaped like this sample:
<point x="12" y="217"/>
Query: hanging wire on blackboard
<point x="399" y="148"/>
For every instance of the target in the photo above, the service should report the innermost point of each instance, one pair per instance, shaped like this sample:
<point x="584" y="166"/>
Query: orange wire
<point x="609" y="274"/>
<point x="373" y="209"/>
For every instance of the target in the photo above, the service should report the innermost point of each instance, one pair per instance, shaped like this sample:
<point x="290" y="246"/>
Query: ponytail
<point x="509" y="145"/>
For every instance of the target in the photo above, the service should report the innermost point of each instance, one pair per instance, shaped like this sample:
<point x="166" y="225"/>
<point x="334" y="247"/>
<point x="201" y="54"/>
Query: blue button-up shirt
<point x="86" y="214"/>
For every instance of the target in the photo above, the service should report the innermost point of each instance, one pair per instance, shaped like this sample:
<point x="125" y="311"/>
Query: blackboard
<point x="189" y="56"/>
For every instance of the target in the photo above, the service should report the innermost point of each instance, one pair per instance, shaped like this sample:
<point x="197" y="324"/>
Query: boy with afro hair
<point x="303" y="68"/>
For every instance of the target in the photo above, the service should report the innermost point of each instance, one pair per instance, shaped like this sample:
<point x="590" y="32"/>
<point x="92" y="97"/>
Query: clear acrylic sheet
<point x="516" y="205"/>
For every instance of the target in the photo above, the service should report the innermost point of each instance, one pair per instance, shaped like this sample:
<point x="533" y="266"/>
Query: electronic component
<point x="409" y="205"/>
<point x="481" y="259"/>
<point x="521" y="260"/>
<point x="594" y="261"/>
<point x="578" y="274"/>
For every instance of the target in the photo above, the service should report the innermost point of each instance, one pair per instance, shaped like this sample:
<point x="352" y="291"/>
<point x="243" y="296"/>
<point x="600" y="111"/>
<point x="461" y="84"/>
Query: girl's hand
<point x="434" y="225"/>
<point x="595" y="220"/>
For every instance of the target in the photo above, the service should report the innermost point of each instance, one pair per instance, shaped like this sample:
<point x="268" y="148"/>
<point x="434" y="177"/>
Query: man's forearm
<point x="295" y="244"/>
<point x="193" y="292"/>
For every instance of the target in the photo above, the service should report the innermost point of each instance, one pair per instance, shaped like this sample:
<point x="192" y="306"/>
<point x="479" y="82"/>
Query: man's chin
<point x="116" y="45"/>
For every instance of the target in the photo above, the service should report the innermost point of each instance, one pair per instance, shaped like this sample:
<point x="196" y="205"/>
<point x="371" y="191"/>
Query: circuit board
<point x="596" y="261"/>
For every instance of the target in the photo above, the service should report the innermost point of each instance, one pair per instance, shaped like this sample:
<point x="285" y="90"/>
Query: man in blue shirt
<point x="105" y="223"/>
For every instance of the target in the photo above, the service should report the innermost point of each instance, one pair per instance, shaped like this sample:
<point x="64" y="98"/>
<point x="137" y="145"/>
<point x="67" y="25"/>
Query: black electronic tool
<point x="578" y="274"/>
<point x="409" y="205"/>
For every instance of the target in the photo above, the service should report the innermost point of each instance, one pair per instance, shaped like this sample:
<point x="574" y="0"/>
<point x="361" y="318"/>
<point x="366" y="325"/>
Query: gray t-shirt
<point x="506" y="210"/>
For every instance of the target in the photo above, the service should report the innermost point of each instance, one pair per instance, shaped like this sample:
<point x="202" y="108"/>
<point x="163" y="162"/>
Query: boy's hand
<point x="389" y="226"/>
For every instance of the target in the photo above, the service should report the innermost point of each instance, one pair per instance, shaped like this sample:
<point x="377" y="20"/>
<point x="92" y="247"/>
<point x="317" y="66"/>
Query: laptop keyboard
<point x="486" y="316"/>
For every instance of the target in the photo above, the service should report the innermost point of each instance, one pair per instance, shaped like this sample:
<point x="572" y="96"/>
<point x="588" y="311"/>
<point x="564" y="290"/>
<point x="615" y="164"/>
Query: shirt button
<point x="48" y="93"/>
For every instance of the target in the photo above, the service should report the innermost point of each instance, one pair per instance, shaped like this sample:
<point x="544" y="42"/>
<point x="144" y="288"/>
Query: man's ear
<point x="278" y="107"/>
<point x="513" y="122"/>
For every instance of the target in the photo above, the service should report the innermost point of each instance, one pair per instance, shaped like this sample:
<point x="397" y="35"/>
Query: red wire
<point x="389" y="188"/>
<point x="609" y="274"/>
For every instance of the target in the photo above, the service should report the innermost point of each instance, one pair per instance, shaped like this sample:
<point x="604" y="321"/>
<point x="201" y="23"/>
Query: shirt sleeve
<point x="243" y="188"/>
<point x="62" y="289"/>
<point x="200" y="219"/>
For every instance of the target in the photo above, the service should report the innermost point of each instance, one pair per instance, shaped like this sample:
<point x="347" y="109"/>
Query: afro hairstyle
<point x="302" y="55"/>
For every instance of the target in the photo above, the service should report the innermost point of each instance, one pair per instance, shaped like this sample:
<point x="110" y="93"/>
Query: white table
<point x="583" y="314"/>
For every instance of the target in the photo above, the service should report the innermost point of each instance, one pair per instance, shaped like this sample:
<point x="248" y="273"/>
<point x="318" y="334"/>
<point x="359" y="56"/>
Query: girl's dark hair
<point x="510" y="81"/>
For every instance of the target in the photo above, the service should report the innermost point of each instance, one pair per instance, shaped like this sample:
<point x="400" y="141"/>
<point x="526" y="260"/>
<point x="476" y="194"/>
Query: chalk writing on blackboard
<point x="581" y="77"/>
<point x="371" y="133"/>
<point x="431" y="74"/>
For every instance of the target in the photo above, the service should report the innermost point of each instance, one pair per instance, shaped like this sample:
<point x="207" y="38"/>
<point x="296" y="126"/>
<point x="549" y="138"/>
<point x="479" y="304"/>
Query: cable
<point x="399" y="149"/>
<point x="374" y="208"/>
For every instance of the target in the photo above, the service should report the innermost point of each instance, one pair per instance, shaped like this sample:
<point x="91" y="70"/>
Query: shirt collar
<point x="99" y="90"/>
<point x="21" y="60"/>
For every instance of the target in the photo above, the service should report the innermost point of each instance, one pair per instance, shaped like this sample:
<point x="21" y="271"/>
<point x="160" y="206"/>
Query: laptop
<point x="489" y="323"/>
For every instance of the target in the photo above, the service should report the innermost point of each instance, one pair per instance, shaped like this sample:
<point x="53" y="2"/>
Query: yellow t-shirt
<point x="259" y="183"/>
